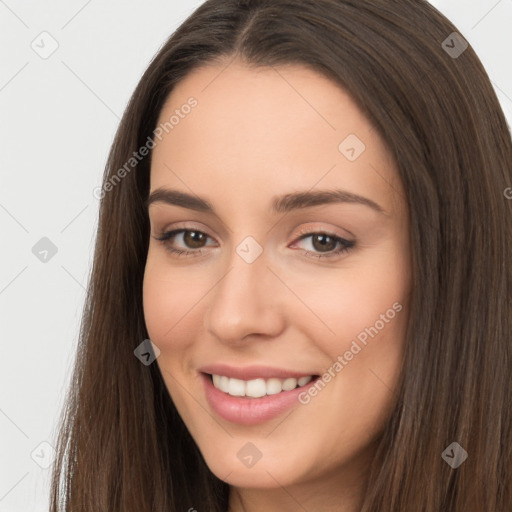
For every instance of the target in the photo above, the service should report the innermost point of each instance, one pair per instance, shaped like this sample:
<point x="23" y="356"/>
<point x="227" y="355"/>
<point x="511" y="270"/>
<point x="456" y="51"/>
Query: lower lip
<point x="249" y="411"/>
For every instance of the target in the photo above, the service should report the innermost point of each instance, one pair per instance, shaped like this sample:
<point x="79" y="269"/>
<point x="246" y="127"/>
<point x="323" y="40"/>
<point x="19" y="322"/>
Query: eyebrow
<point x="281" y="204"/>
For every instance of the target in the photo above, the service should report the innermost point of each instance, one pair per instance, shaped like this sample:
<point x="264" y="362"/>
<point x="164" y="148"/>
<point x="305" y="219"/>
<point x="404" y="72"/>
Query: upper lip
<point x="252" y="372"/>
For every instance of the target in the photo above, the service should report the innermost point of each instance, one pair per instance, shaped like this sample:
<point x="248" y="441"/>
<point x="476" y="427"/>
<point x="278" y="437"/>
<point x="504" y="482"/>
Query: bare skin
<point x="256" y="134"/>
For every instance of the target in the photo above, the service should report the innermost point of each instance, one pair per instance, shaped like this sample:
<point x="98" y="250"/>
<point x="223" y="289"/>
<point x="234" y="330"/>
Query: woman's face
<point x="293" y="214"/>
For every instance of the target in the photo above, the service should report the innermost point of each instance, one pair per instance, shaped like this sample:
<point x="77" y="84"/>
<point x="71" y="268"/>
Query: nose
<point x="247" y="300"/>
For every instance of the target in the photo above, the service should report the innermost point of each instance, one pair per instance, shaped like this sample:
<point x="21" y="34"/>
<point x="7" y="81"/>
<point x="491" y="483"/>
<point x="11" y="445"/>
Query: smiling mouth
<point x="257" y="388"/>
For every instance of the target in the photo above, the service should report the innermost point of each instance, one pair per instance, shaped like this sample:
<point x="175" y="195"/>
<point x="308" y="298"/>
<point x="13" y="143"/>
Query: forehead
<point x="256" y="132"/>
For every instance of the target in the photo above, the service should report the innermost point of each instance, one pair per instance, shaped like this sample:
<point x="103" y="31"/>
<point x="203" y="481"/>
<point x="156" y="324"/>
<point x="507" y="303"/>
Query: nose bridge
<point x="244" y="300"/>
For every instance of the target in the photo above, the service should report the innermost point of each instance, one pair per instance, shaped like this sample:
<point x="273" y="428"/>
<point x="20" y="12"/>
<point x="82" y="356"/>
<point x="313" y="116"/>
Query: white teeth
<point x="236" y="387"/>
<point x="274" y="386"/>
<point x="224" y="383"/>
<point x="257" y="388"/>
<point x="289" y="384"/>
<point x="304" y="380"/>
<point x="216" y="381"/>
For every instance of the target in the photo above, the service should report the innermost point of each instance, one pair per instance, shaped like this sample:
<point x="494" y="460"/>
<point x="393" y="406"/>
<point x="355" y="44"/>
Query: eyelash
<point x="346" y="245"/>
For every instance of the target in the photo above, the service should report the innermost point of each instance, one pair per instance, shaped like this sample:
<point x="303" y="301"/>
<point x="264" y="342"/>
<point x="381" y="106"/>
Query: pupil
<point x="323" y="244"/>
<point x="193" y="239"/>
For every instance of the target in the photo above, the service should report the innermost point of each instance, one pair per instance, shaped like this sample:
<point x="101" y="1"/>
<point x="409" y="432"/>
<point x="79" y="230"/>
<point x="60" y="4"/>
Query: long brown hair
<point x="122" y="445"/>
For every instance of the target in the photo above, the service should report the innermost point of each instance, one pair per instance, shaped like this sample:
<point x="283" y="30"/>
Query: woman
<point x="305" y="211"/>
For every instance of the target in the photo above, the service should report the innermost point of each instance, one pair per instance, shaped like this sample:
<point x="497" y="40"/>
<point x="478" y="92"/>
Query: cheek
<point x="369" y="295"/>
<point x="169" y="314"/>
<point x="168" y="301"/>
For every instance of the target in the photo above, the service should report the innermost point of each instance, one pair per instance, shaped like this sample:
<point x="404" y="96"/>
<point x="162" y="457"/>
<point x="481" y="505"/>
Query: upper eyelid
<point x="304" y="233"/>
<point x="311" y="230"/>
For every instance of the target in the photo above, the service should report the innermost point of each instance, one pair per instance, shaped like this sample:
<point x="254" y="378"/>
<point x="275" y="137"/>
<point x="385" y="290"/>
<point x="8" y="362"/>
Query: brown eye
<point x="194" y="239"/>
<point x="322" y="242"/>
<point x="325" y="245"/>
<point x="191" y="241"/>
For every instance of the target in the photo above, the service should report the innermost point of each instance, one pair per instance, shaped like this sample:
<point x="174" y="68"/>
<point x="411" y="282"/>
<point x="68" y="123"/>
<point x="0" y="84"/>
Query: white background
<point x="58" y="119"/>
